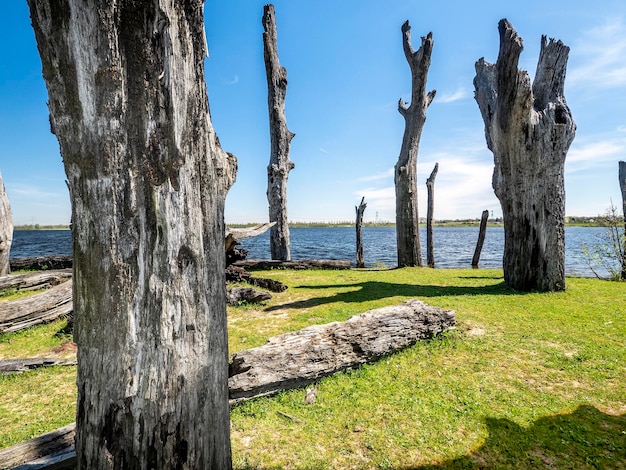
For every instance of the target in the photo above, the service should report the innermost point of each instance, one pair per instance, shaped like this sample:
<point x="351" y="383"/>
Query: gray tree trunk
<point x="481" y="238"/>
<point x="405" y="175"/>
<point x="430" y="245"/>
<point x="360" y="210"/>
<point x="529" y="130"/>
<point x="147" y="180"/>
<point x="6" y="230"/>
<point x="280" y="140"/>
<point x="622" y="186"/>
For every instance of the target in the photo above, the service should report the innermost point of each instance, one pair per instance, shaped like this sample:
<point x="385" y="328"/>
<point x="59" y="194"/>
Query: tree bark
<point x="147" y="179"/>
<point x="481" y="238"/>
<point x="280" y="140"/>
<point x="405" y="175"/>
<point x="6" y="230"/>
<point x="529" y="130"/>
<point x="430" y="246"/>
<point x="622" y="186"/>
<point x="360" y="209"/>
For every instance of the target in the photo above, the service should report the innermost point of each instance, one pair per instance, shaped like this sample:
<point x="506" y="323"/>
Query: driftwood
<point x="34" y="280"/>
<point x="41" y="263"/>
<point x="297" y="359"/>
<point x="233" y="235"/>
<point x="53" y="450"/>
<point x="239" y="274"/>
<point x="300" y="264"/>
<point x="16" y="366"/>
<point x="246" y="294"/>
<point x="38" y="308"/>
<point x="481" y="238"/>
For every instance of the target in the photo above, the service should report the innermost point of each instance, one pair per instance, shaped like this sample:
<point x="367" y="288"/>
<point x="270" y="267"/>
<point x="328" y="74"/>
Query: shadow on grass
<point x="585" y="438"/>
<point x="375" y="290"/>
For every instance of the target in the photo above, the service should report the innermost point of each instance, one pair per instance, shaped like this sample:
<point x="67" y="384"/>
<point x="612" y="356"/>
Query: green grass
<point x="525" y="381"/>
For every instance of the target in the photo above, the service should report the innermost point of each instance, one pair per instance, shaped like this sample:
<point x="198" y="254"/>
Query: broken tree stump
<point x="38" y="308"/>
<point x="297" y="359"/>
<point x="481" y="238"/>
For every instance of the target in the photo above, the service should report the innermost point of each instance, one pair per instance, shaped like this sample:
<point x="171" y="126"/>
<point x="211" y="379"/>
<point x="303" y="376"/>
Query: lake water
<point x="454" y="246"/>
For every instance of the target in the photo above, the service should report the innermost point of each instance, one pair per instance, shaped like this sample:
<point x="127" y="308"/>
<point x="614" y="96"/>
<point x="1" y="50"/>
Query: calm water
<point x="454" y="246"/>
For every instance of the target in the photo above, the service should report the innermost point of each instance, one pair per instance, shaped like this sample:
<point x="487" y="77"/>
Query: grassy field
<point x="525" y="381"/>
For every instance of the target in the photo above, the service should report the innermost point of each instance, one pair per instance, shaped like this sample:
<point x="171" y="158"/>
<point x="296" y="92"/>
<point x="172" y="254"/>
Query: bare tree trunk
<point x="360" y="261"/>
<point x="622" y="185"/>
<point x="529" y="131"/>
<point x="481" y="238"/>
<point x="405" y="176"/>
<point x="430" y="246"/>
<point x="6" y="230"/>
<point x="147" y="180"/>
<point x="280" y="140"/>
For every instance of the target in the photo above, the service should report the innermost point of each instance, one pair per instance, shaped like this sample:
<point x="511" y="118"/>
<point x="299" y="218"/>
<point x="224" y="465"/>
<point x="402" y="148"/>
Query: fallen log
<point x="247" y="294"/>
<point x="41" y="263"/>
<point x="239" y="274"/>
<point x="53" y="450"/>
<point x="293" y="264"/>
<point x="17" y="366"/>
<point x="297" y="359"/>
<point x="35" y="280"/>
<point x="38" y="308"/>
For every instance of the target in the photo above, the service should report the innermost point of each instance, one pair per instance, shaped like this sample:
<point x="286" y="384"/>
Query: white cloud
<point x="233" y="81"/>
<point x="323" y="150"/>
<point x="584" y="156"/>
<point x="379" y="176"/>
<point x="456" y="95"/>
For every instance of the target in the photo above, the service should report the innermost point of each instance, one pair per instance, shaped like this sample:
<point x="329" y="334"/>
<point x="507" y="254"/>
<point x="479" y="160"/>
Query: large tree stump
<point x="6" y="230"/>
<point x="360" y="210"/>
<point x="529" y="130"/>
<point x="405" y="174"/>
<point x="430" y="244"/>
<point x="280" y="140"/>
<point x="147" y="180"/>
<point x="302" y="357"/>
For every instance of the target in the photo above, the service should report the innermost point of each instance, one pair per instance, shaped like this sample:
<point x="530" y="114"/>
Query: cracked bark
<point x="6" y="230"/>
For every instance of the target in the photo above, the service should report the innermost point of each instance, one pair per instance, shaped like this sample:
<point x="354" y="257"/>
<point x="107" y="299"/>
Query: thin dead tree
<point x="405" y="174"/>
<point x="622" y="186"/>
<point x="482" y="231"/>
<point x="6" y="230"/>
<point x="430" y="245"/>
<point x="280" y="140"/>
<point x="529" y="130"/>
<point x="360" y="210"/>
<point x="148" y="179"/>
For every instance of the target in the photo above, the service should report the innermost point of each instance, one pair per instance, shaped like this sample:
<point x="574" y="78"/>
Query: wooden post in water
<point x="430" y="248"/>
<point x="481" y="239"/>
<point x="360" y="209"/>
<point x="622" y="185"/>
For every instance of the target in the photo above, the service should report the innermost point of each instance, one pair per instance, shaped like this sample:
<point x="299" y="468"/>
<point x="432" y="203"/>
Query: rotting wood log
<point x="246" y="294"/>
<point x="54" y="449"/>
<point x="38" y="308"/>
<point x="430" y="245"/>
<point x="360" y="210"/>
<point x="34" y="280"/>
<point x="6" y="230"/>
<point x="41" y="263"/>
<point x="239" y="274"/>
<point x="297" y="359"/>
<point x="481" y="238"/>
<point x="299" y="264"/>
<point x="17" y="366"/>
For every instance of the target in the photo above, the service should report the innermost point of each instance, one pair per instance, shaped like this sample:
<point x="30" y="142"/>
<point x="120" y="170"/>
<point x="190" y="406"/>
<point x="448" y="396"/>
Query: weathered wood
<point x="430" y="244"/>
<point x="360" y="210"/>
<point x="35" y="309"/>
<point x="481" y="238"/>
<point x="147" y="181"/>
<point x="246" y="294"/>
<point x="239" y="274"/>
<point x="296" y="359"/>
<point x="280" y="140"/>
<point x="529" y="130"/>
<point x="53" y="450"/>
<point x="41" y="263"/>
<point x="405" y="174"/>
<point x="231" y="242"/>
<point x="34" y="280"/>
<point x="264" y="264"/>
<point x="6" y="230"/>
<point x="622" y="185"/>
<point x="16" y="366"/>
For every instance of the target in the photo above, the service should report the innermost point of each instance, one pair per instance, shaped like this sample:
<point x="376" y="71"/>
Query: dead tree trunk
<point x="280" y="140"/>
<point x="430" y="246"/>
<point x="147" y="179"/>
<point x="6" y="230"/>
<point x="622" y="185"/>
<point x="481" y="238"/>
<point x="529" y="130"/>
<point x="360" y="210"/>
<point x="405" y="175"/>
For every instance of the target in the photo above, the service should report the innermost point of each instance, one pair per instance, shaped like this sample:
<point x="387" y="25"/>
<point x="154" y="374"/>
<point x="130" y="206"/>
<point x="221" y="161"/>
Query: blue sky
<point x="346" y="72"/>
